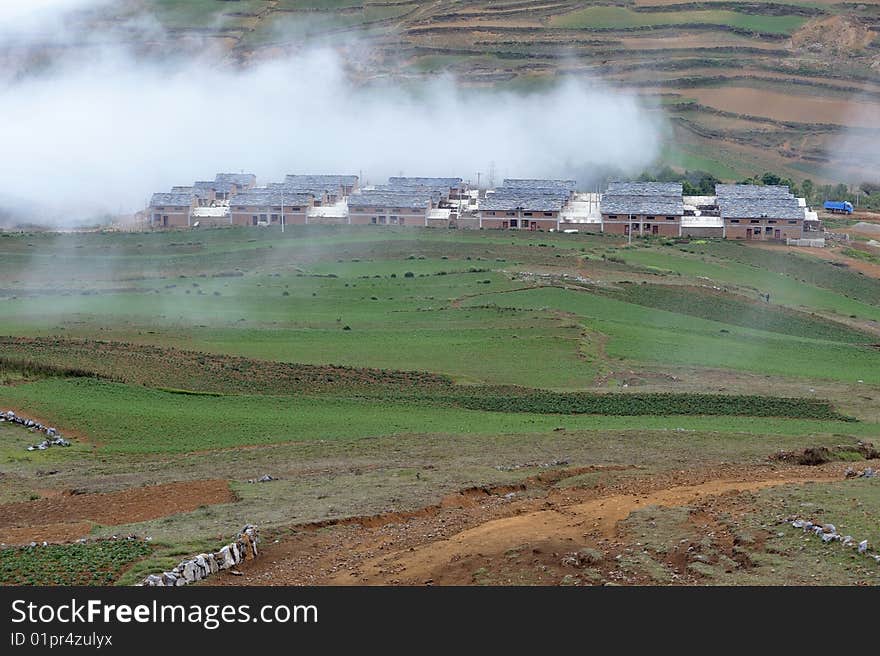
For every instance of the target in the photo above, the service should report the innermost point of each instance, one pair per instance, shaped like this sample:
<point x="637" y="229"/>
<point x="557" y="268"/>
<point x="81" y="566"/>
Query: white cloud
<point x="29" y="17"/>
<point x="99" y="134"/>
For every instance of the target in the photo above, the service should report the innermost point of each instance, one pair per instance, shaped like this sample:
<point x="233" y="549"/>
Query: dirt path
<point x="454" y="540"/>
<point x="436" y="561"/>
<point x="69" y="516"/>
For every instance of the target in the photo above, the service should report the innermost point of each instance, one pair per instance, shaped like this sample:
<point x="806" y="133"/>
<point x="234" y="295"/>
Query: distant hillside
<point x="749" y="86"/>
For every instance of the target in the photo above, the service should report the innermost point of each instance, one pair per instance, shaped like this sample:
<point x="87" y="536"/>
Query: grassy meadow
<point x="343" y="361"/>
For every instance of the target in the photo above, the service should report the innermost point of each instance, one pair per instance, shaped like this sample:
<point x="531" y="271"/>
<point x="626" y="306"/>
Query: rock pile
<point x="867" y="472"/>
<point x="828" y="533"/>
<point x="53" y="438"/>
<point x="206" y="564"/>
<point x="524" y="465"/>
<point x="265" y="478"/>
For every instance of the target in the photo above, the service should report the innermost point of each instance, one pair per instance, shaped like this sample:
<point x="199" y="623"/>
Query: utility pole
<point x="282" y="210"/>
<point x="478" y="180"/>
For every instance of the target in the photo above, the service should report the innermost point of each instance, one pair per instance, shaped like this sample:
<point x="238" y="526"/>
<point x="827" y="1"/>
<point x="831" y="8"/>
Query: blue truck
<point x="839" y="206"/>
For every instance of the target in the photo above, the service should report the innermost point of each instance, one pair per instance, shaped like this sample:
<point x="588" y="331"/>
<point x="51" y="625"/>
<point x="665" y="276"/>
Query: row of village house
<point x="625" y="208"/>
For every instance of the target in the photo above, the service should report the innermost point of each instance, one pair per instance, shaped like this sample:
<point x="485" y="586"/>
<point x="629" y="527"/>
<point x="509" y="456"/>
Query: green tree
<point x="808" y="190"/>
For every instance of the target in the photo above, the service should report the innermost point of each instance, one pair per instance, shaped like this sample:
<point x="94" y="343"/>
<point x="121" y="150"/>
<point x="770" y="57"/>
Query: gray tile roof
<point x="433" y="193"/>
<point x="648" y="205"/>
<point x="537" y="184"/>
<point x="752" y="191"/>
<point x="540" y="203"/>
<point x="438" y="183"/>
<point x="328" y="182"/>
<point x="524" y="200"/>
<point x="644" y="189"/>
<point x="390" y="200"/>
<point x="241" y="179"/>
<point x="263" y="197"/>
<point x="173" y="198"/>
<point x="760" y="208"/>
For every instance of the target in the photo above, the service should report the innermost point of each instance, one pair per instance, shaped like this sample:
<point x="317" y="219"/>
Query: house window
<point x="511" y="214"/>
<point x="612" y="216"/>
<point x="262" y="217"/>
<point x="754" y="221"/>
<point x="527" y="214"/>
<point x="382" y="220"/>
<point x="792" y="222"/>
<point x="734" y="220"/>
<point x="514" y="223"/>
<point x="393" y="219"/>
<point x="772" y="221"/>
<point x="402" y="220"/>
<point x="649" y="218"/>
<point x="274" y="218"/>
<point x="548" y="213"/>
<point x="768" y="230"/>
<point x="373" y="220"/>
<point x="670" y="218"/>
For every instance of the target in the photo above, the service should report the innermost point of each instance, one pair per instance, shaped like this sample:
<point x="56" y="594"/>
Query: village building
<point x="264" y="206"/>
<point x="525" y="204"/>
<point x="642" y="209"/>
<point x="171" y="210"/>
<point x="506" y="210"/>
<point x="327" y="189"/>
<point x="760" y="212"/>
<point x="701" y="219"/>
<point x="581" y="214"/>
<point x="449" y="188"/>
<point x="227" y="185"/>
<point x="381" y="207"/>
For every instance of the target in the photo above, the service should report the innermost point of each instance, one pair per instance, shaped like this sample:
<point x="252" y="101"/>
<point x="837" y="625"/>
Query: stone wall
<point x="53" y="438"/>
<point x="204" y="565"/>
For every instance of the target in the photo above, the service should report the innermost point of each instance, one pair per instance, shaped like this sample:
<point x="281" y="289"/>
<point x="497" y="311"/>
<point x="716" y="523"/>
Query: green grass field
<point x="345" y="361"/>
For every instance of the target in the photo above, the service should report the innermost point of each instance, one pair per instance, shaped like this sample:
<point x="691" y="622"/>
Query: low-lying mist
<point x="99" y="132"/>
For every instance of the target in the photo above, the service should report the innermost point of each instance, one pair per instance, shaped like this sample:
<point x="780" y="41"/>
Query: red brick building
<point x="269" y="207"/>
<point x="642" y="209"/>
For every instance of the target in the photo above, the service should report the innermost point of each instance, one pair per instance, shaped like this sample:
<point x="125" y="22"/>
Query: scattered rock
<point x="52" y="436"/>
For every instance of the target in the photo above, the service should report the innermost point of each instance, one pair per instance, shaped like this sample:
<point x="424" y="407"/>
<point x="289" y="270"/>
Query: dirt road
<point x="449" y="545"/>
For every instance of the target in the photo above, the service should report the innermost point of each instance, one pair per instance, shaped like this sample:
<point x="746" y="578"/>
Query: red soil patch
<point x="68" y="516"/>
<point x="447" y="543"/>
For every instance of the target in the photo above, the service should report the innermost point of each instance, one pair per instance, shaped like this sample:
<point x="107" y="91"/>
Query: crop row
<point x="93" y="563"/>
<point x="656" y="404"/>
<point x="162" y="367"/>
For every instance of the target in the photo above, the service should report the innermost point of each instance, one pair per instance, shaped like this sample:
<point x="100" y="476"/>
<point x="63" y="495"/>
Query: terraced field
<point x="748" y="86"/>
